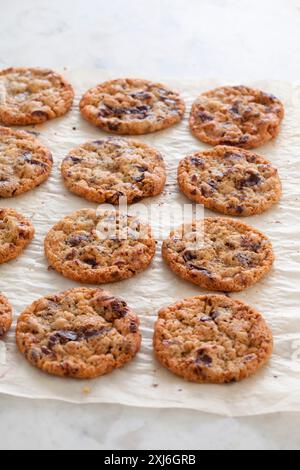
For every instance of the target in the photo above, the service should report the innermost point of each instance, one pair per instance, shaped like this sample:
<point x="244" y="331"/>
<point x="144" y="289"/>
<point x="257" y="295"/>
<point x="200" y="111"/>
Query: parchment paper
<point x="144" y="383"/>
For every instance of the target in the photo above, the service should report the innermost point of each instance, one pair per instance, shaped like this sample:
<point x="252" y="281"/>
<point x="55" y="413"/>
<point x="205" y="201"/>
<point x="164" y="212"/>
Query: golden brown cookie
<point x="219" y="254"/>
<point x="212" y="339"/>
<point x="16" y="233"/>
<point x="114" y="168"/>
<point x="99" y="247"/>
<point x="5" y="315"/>
<point x="31" y="96"/>
<point x="238" y="116"/>
<point x="24" y="162"/>
<point x="132" y="106"/>
<point x="230" y="180"/>
<point x="81" y="333"/>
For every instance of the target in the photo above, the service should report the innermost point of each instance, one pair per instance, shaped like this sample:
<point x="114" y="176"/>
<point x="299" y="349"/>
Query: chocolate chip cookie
<point x="31" y="96"/>
<point x="24" y="162"/>
<point x="230" y="180"/>
<point x="5" y="315"/>
<point x="112" y="169"/>
<point x="132" y="106"/>
<point x="212" y="339"/>
<point x="219" y="254"/>
<point x="238" y="116"/>
<point x="81" y="333"/>
<point x="16" y="233"/>
<point x="99" y="247"/>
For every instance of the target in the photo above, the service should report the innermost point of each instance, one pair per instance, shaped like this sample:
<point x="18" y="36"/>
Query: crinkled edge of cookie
<point x="217" y="282"/>
<point x="188" y="188"/>
<point x="205" y="373"/>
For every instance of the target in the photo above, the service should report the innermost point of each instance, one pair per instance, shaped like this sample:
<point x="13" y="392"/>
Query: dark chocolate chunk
<point x="205" y="117"/>
<point x="203" y="358"/>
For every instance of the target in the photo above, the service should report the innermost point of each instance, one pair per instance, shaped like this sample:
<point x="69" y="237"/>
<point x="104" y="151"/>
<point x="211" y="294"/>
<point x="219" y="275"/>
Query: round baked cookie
<point x="99" y="247"/>
<point x="114" y="168"/>
<point x="132" y="106"/>
<point x="230" y="180"/>
<point x="31" y="96"/>
<point x="81" y="333"/>
<point x="16" y="233"/>
<point x="212" y="339"/>
<point x="24" y="162"/>
<point x="5" y="315"/>
<point x="219" y="254"/>
<point x="238" y="116"/>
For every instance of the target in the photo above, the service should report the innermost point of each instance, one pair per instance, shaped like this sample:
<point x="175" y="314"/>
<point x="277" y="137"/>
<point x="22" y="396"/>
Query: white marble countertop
<point x="253" y="39"/>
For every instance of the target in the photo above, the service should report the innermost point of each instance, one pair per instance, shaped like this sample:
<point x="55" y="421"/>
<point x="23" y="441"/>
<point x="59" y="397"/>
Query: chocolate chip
<point x="113" y="126"/>
<point x="133" y="327"/>
<point x="189" y="256"/>
<point x="235" y="110"/>
<point x="205" y="319"/>
<point x="198" y="161"/>
<point x="243" y="259"/>
<point x="34" y="355"/>
<point x="46" y="351"/>
<point x="244" y="139"/>
<point x="209" y="188"/>
<point x="119" y="307"/>
<point x="203" y="358"/>
<point x="137" y="199"/>
<point x="74" y="160"/>
<point x="250" y="245"/>
<point x="205" y="117"/>
<point x="41" y="114"/>
<point x="253" y="179"/>
<point x="240" y="209"/>
<point x="104" y="111"/>
<point x="76" y="240"/>
<point x="91" y="262"/>
<point x="87" y="334"/>
<point x="139" y="179"/>
<point x="141" y="95"/>
<point x="200" y="269"/>
<point x="215" y="314"/>
<point x="62" y="337"/>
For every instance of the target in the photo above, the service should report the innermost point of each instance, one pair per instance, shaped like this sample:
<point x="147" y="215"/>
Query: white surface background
<point x="248" y="40"/>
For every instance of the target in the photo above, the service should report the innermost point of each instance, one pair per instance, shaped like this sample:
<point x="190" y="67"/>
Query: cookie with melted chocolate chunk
<point x="219" y="254"/>
<point x="132" y="106"/>
<point x="31" y="96"/>
<point x="212" y="339"/>
<point x="239" y="116"/>
<point x="114" y="168"/>
<point x="81" y="333"/>
<point x="24" y="162"/>
<point x="99" y="247"/>
<point x="230" y="180"/>
<point x="16" y="232"/>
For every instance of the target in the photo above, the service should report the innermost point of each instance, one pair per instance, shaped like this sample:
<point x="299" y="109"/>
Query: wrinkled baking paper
<point x="143" y="382"/>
